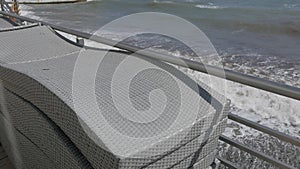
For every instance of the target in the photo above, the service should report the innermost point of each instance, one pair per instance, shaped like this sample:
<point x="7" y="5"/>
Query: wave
<point x="26" y="10"/>
<point x="290" y="6"/>
<point x="260" y="106"/>
<point x="209" y="7"/>
<point x="161" y="2"/>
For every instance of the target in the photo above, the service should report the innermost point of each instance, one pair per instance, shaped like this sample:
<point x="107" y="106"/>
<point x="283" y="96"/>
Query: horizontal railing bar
<point x="18" y="27"/>
<point x="227" y="163"/>
<point x="281" y="89"/>
<point x="56" y="27"/>
<point x="256" y="153"/>
<point x="264" y="129"/>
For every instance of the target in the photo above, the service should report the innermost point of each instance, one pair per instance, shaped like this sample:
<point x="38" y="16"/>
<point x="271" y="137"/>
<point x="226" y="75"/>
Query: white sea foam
<point x="265" y="108"/>
<point x="268" y="109"/>
<point x="25" y="7"/>
<point x="289" y="6"/>
<point x="25" y="10"/>
<point x="166" y="2"/>
<point x="208" y="7"/>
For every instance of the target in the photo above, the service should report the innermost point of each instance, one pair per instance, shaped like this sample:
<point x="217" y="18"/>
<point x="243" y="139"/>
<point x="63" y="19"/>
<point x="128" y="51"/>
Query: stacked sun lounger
<point x="47" y="121"/>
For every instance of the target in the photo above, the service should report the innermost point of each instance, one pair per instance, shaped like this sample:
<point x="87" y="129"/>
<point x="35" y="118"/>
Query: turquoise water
<point x="257" y="34"/>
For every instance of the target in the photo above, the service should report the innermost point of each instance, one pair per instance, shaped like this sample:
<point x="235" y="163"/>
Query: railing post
<point x="80" y="41"/>
<point x="2" y="5"/>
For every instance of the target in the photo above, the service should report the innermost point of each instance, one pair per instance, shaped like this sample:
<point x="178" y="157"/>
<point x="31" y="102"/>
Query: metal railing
<point x="5" y="6"/>
<point x="261" y="128"/>
<point x="276" y="88"/>
<point x="264" y="129"/>
<point x="254" y="152"/>
<point x="2" y="5"/>
<point x="281" y="89"/>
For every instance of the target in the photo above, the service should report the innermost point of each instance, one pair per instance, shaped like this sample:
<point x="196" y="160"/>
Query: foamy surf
<point x="209" y="7"/>
<point x="26" y="11"/>
<point x="268" y="109"/>
<point x="161" y="2"/>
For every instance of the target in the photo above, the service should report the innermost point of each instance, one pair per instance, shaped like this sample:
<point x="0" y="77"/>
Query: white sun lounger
<point x="36" y="73"/>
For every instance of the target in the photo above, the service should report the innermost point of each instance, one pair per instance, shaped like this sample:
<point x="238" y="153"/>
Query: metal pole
<point x="2" y="5"/>
<point x="264" y="129"/>
<point x="227" y="163"/>
<point x="256" y="153"/>
<point x="259" y="83"/>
